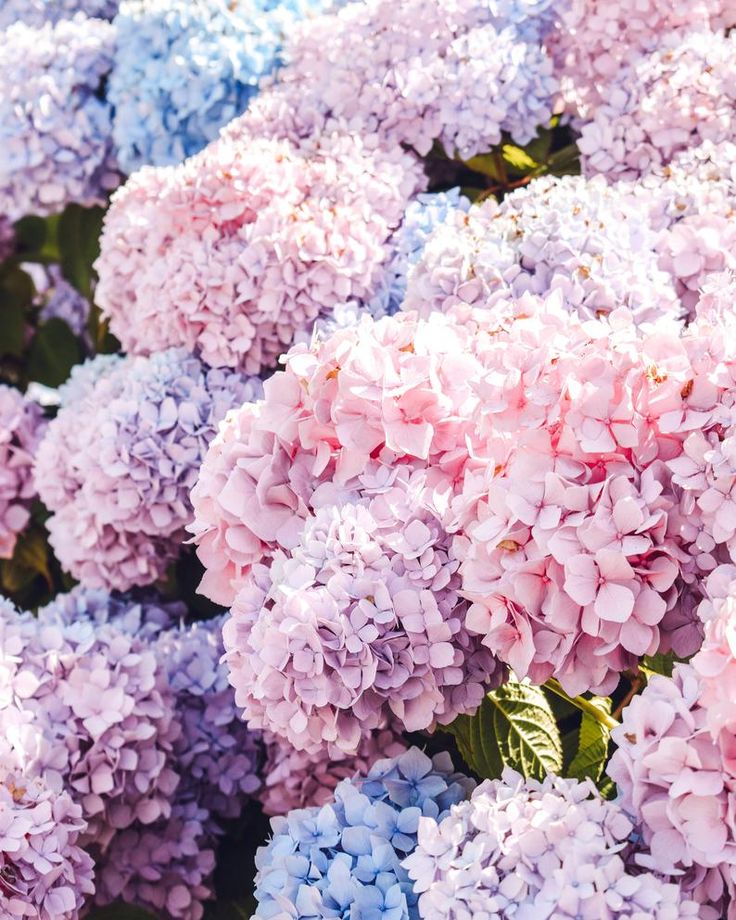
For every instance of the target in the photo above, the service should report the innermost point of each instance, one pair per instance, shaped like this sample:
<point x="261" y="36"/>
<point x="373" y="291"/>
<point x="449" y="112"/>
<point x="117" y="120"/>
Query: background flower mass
<point x="367" y="460"/>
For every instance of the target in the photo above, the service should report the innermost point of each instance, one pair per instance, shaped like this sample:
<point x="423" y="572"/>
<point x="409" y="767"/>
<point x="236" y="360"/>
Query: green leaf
<point x="592" y="744"/>
<point x="565" y="162"/>
<point x="514" y="727"/>
<point x="487" y="164"/>
<point x="120" y="912"/>
<point x="79" y="244"/>
<point x="519" y="159"/>
<point x="53" y="353"/>
<point x="658" y="664"/>
<point x="229" y="910"/>
<point x="538" y="149"/>
<point x="12" y="329"/>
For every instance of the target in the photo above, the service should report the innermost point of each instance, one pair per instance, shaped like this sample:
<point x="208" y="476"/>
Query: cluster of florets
<point x="39" y="12"/>
<point x="591" y="242"/>
<point x="345" y="858"/>
<point x="21" y="428"/>
<point x="534" y="851"/>
<point x="167" y="865"/>
<point x="674" y="98"/>
<point x="184" y="70"/>
<point x="318" y="513"/>
<point x="594" y="40"/>
<point x="676" y="781"/>
<point x="55" y="130"/>
<point x="235" y="268"/>
<point x="414" y="74"/>
<point x="577" y="543"/>
<point x="58" y="299"/>
<point x="118" y="461"/>
<point x="88" y="708"/>
<point x="44" y="873"/>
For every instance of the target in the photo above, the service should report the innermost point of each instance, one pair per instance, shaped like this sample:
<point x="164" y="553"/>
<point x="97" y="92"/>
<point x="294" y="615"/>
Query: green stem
<point x="583" y="705"/>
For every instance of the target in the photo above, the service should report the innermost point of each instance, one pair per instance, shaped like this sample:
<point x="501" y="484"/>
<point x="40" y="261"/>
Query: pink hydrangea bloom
<point x="534" y="851"/>
<point x="295" y="779"/>
<point x="44" y="874"/>
<point x="245" y="244"/>
<point x="88" y="707"/>
<point x="594" y="39"/>
<point x="591" y="242"/>
<point x="117" y="463"/>
<point x="678" y="785"/>
<point x="21" y="428"/>
<point x="578" y="540"/>
<point x="318" y="516"/>
<point x="676" y="97"/>
<point x="461" y="73"/>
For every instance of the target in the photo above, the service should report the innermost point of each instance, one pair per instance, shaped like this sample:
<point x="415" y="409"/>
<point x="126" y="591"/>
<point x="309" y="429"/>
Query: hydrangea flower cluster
<point x="21" y="428"/>
<point x="183" y="70"/>
<point x="577" y="545"/>
<point x="414" y="74"/>
<point x="44" y="874"/>
<point x="672" y="99"/>
<point x="677" y="782"/>
<point x="318" y="517"/>
<point x="55" y="130"/>
<point x="235" y="268"/>
<point x="39" y="12"/>
<point x="117" y="462"/>
<point x="594" y="40"/>
<point x="88" y="708"/>
<point x="168" y="865"/>
<point x="345" y="857"/>
<point x="533" y="851"/>
<point x="591" y="242"/>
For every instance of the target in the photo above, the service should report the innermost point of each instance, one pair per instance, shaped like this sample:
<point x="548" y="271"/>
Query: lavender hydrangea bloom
<point x="118" y="461"/>
<point x="166" y="866"/>
<point x="55" y="130"/>
<point x="21" y="427"/>
<point x="89" y="708"/>
<point x="588" y="240"/>
<point x="535" y="851"/>
<point x="44" y="874"/>
<point x="218" y="757"/>
<point x="344" y="859"/>
<point x="39" y="12"/>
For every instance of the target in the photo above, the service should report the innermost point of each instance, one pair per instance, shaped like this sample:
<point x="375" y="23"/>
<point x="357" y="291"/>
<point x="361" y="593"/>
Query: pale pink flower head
<point x="567" y="537"/>
<point x="677" y="96"/>
<point x="242" y="246"/>
<point x="675" y="782"/>
<point x="594" y="40"/>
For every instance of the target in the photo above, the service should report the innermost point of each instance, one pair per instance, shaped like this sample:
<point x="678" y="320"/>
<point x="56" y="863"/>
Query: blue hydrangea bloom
<point x="37" y="12"/>
<point x="532" y="19"/>
<point x="343" y="860"/>
<point x="184" y="68"/>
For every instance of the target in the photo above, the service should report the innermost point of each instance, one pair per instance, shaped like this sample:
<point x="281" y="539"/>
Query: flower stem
<point x="583" y="705"/>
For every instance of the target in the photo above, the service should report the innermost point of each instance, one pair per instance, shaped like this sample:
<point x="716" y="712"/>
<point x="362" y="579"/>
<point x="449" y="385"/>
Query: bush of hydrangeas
<point x="367" y="460"/>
